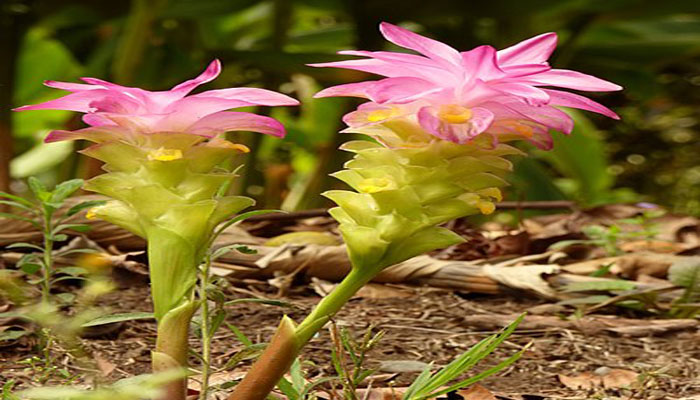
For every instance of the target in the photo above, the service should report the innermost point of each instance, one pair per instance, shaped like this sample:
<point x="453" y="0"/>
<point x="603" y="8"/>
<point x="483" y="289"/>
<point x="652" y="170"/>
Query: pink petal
<point x="531" y="51"/>
<point x="209" y="74"/>
<point x="417" y="65"/>
<point x="515" y="71"/>
<point x="227" y="121"/>
<point x="571" y="80"/>
<point x="432" y="48"/>
<point x="531" y="94"/>
<point x="480" y="63"/>
<point x="566" y="99"/>
<point x="545" y="115"/>
<point x="71" y="87"/>
<point x="251" y="96"/>
<point x="400" y="90"/>
<point x="78" y="101"/>
<point x="97" y="119"/>
<point x="96" y="135"/>
<point x="358" y="89"/>
<point x="459" y="133"/>
<point x="372" y="66"/>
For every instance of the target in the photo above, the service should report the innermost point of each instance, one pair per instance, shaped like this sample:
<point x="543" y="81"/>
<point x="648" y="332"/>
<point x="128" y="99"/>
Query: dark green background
<point x="652" y="48"/>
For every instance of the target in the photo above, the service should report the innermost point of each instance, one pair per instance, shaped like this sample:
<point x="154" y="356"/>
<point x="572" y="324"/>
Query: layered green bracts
<point x="405" y="187"/>
<point x="166" y="189"/>
<point x="403" y="193"/>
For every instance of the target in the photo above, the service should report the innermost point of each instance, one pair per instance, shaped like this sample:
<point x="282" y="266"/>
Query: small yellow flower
<point x="164" y="154"/>
<point x="454" y="114"/>
<point x="374" y="185"/>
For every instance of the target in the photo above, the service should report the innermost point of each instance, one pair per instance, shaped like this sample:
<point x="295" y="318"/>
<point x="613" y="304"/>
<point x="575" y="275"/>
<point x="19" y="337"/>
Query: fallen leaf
<point x="619" y="378"/>
<point x="379" y="291"/>
<point x="104" y="365"/>
<point x="584" y="380"/>
<point x="395" y="366"/>
<point x="609" y="378"/>
<point x="525" y="277"/>
<point x="476" y="392"/>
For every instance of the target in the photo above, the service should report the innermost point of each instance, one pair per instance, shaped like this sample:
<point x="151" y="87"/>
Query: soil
<point x="426" y="327"/>
<point x="429" y="325"/>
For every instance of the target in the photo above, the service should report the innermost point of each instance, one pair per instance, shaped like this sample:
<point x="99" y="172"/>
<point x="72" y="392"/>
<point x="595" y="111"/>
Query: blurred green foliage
<point x="651" y="48"/>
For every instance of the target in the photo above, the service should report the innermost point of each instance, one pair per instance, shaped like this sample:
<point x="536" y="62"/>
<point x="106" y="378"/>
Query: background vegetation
<point x="652" y="48"/>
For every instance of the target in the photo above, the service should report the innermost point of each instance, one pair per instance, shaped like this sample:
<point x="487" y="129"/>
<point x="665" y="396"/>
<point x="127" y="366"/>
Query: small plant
<point x="686" y="274"/>
<point x="609" y="238"/>
<point x="41" y="213"/>
<point x="430" y="385"/>
<point x="352" y="374"/>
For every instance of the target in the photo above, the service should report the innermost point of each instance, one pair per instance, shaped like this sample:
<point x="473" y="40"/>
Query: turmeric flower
<point x="458" y="95"/>
<point x="114" y="109"/>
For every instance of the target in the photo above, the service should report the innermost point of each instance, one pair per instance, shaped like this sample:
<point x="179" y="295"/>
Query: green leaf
<point x="226" y="249"/>
<point x="215" y="321"/>
<point x="18" y="205"/>
<point x="247" y="353"/>
<point x="600" y="286"/>
<point x="84" y="205"/>
<point x="288" y="389"/>
<point x="72" y="271"/>
<point x="10" y="335"/>
<point x="121" y="317"/>
<point x="59" y="238"/>
<point x="30" y="268"/>
<point x="269" y="302"/>
<point x="686" y="273"/>
<point x="596" y="299"/>
<point x="18" y="199"/>
<point x="25" y="245"/>
<point x="73" y="227"/>
<point x="20" y="218"/>
<point x="466" y="361"/>
<point x="39" y="189"/>
<point x="239" y="334"/>
<point x="64" y="189"/>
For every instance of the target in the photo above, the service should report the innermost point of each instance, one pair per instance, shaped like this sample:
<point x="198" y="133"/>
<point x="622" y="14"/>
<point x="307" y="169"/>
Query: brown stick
<point x="504" y="205"/>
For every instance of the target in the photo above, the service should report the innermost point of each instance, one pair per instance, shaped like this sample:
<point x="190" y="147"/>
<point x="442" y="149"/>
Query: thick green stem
<point x="172" y="348"/>
<point x="285" y="347"/>
<point x="173" y="269"/>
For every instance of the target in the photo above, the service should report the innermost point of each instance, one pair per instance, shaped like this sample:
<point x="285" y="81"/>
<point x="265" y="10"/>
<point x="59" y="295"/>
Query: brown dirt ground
<point x="427" y="327"/>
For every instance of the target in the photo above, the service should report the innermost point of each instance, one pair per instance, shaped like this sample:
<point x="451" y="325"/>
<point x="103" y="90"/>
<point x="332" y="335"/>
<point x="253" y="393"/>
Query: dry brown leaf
<point x="525" y="277"/>
<point x="619" y="378"/>
<point x="476" y="392"/>
<point x="609" y="378"/>
<point x="104" y="365"/>
<point x="379" y="291"/>
<point x="586" y="380"/>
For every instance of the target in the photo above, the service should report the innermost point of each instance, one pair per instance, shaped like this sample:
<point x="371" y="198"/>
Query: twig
<point x="504" y="205"/>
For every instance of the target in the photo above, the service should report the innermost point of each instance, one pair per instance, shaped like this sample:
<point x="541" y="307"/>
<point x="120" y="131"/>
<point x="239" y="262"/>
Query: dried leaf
<point x="619" y="378"/>
<point x="526" y="277"/>
<point x="476" y="392"/>
<point x="586" y="380"/>
<point x="104" y="365"/>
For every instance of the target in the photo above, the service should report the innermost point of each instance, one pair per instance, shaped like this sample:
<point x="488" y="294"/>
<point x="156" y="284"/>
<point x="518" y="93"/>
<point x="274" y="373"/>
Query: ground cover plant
<point x="434" y="143"/>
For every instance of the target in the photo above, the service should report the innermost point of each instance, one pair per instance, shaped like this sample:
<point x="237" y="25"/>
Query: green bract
<point x="165" y="188"/>
<point x="403" y="193"/>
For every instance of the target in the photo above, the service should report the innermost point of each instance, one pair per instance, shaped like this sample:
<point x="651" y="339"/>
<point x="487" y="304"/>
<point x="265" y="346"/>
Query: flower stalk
<point x="163" y="157"/>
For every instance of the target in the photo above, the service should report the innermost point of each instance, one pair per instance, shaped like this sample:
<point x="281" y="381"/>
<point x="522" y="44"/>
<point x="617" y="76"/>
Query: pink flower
<point x="111" y="109"/>
<point x="459" y="95"/>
